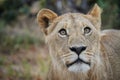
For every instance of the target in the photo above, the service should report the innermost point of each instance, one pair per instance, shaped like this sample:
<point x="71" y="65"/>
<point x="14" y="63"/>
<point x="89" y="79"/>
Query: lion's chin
<point x="79" y="68"/>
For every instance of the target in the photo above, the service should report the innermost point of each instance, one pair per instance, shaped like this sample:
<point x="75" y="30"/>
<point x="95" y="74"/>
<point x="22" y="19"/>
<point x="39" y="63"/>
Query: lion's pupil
<point x="63" y="32"/>
<point x="87" y="30"/>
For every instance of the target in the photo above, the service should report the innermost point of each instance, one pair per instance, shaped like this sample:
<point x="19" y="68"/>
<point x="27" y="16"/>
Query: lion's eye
<point x="87" y="30"/>
<point x="62" y="32"/>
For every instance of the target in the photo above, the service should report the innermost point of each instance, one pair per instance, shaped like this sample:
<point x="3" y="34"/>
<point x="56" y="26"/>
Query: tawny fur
<point x="103" y="46"/>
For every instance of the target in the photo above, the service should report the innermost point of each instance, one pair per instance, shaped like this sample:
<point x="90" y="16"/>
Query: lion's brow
<point x="72" y="17"/>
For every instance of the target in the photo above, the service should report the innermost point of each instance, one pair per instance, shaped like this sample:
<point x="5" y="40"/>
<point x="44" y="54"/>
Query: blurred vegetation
<point x="9" y="44"/>
<point x="111" y="13"/>
<point x="11" y="9"/>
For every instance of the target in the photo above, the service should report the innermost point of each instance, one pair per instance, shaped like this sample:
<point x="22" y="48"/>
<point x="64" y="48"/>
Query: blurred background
<point x="23" y="53"/>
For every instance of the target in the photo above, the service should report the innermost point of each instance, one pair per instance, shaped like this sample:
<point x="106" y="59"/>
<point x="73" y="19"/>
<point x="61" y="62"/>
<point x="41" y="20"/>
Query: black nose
<point x="78" y="50"/>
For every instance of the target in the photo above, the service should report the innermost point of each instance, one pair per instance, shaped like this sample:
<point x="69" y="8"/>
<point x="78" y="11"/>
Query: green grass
<point x="9" y="44"/>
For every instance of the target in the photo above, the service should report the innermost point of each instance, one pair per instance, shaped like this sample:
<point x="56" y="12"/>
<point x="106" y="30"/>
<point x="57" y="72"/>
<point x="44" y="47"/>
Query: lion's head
<point x="73" y="39"/>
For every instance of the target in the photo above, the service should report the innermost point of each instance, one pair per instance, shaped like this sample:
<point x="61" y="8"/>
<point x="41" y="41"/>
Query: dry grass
<point x="31" y="64"/>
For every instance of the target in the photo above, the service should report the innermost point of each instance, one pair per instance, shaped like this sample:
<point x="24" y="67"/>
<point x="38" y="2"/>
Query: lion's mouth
<point x="78" y="61"/>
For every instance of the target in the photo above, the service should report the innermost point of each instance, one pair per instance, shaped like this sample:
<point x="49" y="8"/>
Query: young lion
<point x="78" y="49"/>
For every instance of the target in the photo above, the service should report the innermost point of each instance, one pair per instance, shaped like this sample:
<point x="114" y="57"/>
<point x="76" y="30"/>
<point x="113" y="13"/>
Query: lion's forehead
<point x="72" y="17"/>
<point x="73" y="20"/>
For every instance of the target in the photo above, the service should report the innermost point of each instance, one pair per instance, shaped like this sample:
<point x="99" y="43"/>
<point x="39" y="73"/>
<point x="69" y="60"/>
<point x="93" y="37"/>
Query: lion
<point x="78" y="48"/>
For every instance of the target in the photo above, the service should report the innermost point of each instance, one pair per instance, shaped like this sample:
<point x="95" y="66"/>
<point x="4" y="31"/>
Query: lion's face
<point x="73" y="40"/>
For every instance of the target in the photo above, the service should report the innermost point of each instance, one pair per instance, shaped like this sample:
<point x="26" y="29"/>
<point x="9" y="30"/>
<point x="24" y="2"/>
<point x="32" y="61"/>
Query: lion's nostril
<point x="78" y="50"/>
<point x="83" y="48"/>
<point x="73" y="49"/>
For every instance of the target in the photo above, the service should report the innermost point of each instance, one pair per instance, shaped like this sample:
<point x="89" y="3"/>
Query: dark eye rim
<point x="62" y="30"/>
<point x="87" y="27"/>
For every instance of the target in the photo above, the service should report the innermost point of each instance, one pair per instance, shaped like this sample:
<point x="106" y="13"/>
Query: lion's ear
<point x="44" y="18"/>
<point x="95" y="12"/>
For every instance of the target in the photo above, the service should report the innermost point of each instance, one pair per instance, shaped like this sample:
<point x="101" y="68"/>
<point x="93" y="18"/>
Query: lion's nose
<point x="78" y="50"/>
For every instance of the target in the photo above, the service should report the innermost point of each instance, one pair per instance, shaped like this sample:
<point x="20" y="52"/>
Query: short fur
<point x="103" y="47"/>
